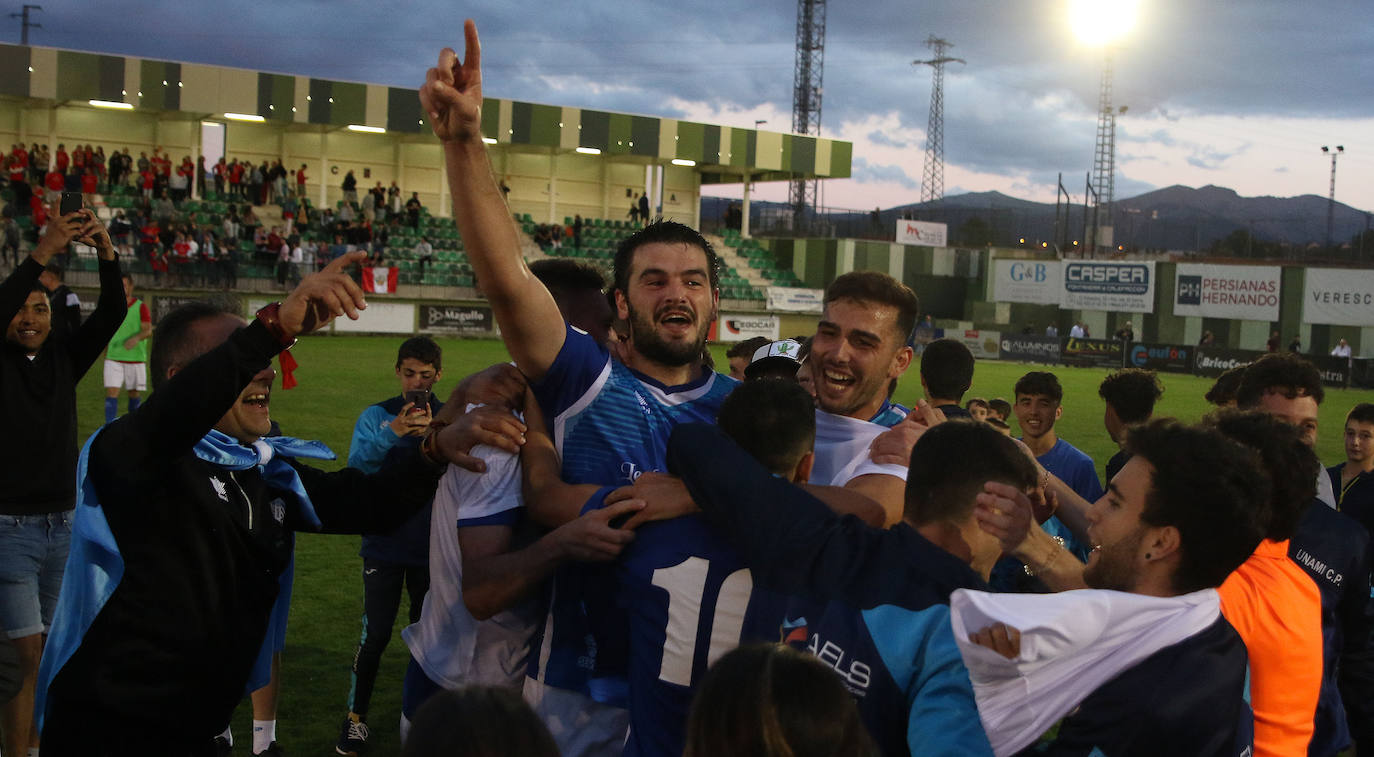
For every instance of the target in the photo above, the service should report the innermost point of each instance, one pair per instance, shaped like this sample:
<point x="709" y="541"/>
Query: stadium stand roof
<point x="722" y="154"/>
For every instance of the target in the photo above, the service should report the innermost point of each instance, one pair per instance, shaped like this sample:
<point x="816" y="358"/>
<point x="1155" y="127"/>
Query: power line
<point x="933" y="171"/>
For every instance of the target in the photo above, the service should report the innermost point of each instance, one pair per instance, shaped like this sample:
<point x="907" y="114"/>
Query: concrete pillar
<point x="696" y="206"/>
<point x="605" y="187"/>
<point x="195" y="160"/>
<point x="445" y="206"/>
<point x="553" y="188"/>
<point x="324" y="171"/>
<point x="744" y="215"/>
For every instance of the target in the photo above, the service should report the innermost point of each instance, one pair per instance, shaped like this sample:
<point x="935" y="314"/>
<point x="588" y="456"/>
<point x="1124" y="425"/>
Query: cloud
<point x="864" y="173"/>
<point x="879" y="138"/>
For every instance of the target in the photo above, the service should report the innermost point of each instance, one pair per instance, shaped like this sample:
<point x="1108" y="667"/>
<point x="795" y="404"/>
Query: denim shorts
<point x="33" y="556"/>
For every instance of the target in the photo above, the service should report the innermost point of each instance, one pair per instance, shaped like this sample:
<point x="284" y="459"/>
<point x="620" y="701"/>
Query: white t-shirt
<point x="842" y="450"/>
<point x="451" y="646"/>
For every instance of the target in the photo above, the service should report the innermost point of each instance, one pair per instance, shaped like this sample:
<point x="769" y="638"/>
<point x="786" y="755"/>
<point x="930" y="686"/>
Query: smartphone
<point x="71" y="202"/>
<point x="421" y="399"/>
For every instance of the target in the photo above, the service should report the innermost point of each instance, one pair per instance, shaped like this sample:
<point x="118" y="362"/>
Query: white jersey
<point x="842" y="450"/>
<point x="451" y="646"/>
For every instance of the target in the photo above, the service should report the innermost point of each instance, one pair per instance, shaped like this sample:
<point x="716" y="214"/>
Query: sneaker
<point x="222" y="747"/>
<point x="272" y="750"/>
<point x="352" y="737"/>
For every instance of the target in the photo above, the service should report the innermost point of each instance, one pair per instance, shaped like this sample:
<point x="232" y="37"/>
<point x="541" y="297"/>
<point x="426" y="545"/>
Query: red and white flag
<point x="379" y="279"/>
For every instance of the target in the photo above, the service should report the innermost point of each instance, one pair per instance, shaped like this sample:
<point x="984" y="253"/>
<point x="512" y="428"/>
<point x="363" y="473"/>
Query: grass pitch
<point x="341" y="375"/>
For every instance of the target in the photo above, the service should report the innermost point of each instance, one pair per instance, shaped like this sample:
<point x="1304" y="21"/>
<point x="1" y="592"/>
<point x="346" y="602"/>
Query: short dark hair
<point x="54" y="269"/>
<point x="951" y="462"/>
<point x="947" y="369"/>
<point x="1132" y="393"/>
<point x="999" y="406"/>
<point x="562" y="276"/>
<point x="176" y="342"/>
<point x="872" y="286"/>
<point x="1289" y="462"/>
<point x="977" y="401"/>
<point x="1361" y="413"/>
<point x="1281" y="372"/>
<point x="770" y="700"/>
<point x="1209" y="488"/>
<point x="1223" y="391"/>
<point x="748" y="347"/>
<point x="772" y="419"/>
<point x="421" y="349"/>
<point x="478" y="721"/>
<point x="667" y="232"/>
<point x="1041" y="383"/>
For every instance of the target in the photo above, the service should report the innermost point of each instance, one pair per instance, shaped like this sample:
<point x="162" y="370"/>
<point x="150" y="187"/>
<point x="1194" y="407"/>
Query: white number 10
<point x="685" y="583"/>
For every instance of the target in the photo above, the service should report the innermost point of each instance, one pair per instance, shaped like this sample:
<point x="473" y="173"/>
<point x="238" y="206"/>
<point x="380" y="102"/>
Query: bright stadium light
<point x="1102" y="22"/>
<point x="681" y="162"/>
<point x="489" y="140"/>
<point x="250" y="117"/>
<point x="589" y="151"/>
<point x="111" y="104"/>
<point x="366" y="129"/>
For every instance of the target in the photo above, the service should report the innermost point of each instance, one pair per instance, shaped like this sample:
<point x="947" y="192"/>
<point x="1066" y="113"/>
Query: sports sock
<point x="111" y="408"/>
<point x="228" y="734"/>
<point x="264" y="733"/>
<point x="405" y="729"/>
<point x="134" y="402"/>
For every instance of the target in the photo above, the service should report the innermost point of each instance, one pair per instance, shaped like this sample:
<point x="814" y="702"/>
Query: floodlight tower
<point x="806" y="96"/>
<point x="933" y="172"/>
<point x="1331" y="198"/>
<point x="1100" y="23"/>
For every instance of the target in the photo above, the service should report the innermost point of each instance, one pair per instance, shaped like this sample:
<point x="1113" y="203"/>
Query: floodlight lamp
<point x="588" y="151"/>
<point x="111" y="104"/>
<point x="366" y="129"/>
<point x="684" y="162"/>
<point x="249" y="117"/>
<point x="1102" y="22"/>
<point x="1326" y="149"/>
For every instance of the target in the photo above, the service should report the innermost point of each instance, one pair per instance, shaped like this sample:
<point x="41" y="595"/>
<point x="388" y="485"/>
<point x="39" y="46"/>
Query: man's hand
<point x="663" y="496"/>
<point x="407" y="423"/>
<point x="893" y="446"/>
<point x="502" y="385"/>
<point x="1000" y="638"/>
<point x="94" y="234"/>
<point x="1004" y="512"/>
<point x="452" y="93"/>
<point x="322" y="297"/>
<point x="492" y="426"/>
<point x="591" y="538"/>
<point x="60" y="232"/>
<point x="131" y="342"/>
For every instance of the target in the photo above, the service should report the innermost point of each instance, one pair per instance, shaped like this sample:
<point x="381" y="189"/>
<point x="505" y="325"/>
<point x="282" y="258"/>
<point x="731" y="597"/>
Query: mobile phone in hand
<point x="420" y="398"/>
<point x="71" y="202"/>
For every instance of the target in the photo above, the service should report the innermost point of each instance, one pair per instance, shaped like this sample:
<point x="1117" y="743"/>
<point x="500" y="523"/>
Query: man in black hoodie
<point x="39" y="371"/>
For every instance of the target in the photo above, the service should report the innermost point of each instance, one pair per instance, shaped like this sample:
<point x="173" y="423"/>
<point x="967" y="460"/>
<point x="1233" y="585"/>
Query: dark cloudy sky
<point x="1234" y="93"/>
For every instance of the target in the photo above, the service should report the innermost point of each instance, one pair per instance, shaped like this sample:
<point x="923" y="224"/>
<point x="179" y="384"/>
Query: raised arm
<point x="16" y="287"/>
<point x="90" y="338"/>
<point x="530" y="322"/>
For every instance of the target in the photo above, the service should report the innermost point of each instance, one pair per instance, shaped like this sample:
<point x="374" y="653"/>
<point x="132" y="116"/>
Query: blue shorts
<point x="33" y="557"/>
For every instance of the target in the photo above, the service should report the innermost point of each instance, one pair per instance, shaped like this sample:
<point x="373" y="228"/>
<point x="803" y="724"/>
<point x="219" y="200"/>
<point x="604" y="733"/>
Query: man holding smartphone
<point x="400" y="558"/>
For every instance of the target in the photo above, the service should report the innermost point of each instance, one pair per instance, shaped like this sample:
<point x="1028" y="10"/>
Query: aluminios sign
<point x="1119" y="286"/>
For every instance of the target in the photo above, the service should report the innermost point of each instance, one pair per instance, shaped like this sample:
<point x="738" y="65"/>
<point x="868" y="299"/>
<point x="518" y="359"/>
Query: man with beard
<point x="611" y="420"/>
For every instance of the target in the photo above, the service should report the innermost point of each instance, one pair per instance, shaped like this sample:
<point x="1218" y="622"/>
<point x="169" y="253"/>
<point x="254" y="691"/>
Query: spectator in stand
<point x="413" y="210"/>
<point x="201" y="172"/>
<point x="393" y="200"/>
<point x="9" y="240"/>
<point x="1295" y="344"/>
<point x="1077" y="332"/>
<point x="54" y="183"/>
<point x="1342" y="349"/>
<point x="369" y="206"/>
<point x="300" y="181"/>
<point x="424" y="252"/>
<point x="164" y="210"/>
<point x="1273" y="344"/>
<point x="63" y="160"/>
<point x="742" y="353"/>
<point x="219" y="171"/>
<point x="577" y="231"/>
<point x="90" y="185"/>
<point x="236" y="179"/>
<point x="148" y="179"/>
<point x="1125" y="334"/>
<point x="350" y="188"/>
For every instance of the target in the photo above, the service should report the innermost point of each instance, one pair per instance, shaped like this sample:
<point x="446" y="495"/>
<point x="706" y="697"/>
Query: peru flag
<point x="379" y="279"/>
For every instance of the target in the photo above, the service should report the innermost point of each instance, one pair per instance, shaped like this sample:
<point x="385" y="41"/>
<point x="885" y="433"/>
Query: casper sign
<point x="1033" y="281"/>
<point x="1121" y="286"/>
<point x="1339" y="297"/>
<point x="1245" y="292"/>
<point x="921" y="233"/>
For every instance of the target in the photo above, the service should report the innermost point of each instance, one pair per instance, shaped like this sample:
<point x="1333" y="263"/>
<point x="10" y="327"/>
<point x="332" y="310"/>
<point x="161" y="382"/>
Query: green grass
<point x="341" y="375"/>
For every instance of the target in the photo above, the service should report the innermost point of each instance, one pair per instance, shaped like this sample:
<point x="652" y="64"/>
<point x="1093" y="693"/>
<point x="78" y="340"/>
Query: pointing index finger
<point x="472" y="55"/>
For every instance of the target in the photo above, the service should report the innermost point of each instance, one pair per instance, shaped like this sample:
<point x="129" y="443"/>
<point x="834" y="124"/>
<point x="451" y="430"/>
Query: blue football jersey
<point x="690" y="600"/>
<point x="609" y="424"/>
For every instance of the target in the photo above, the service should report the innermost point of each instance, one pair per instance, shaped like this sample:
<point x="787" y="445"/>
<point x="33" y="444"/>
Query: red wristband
<point x="270" y="317"/>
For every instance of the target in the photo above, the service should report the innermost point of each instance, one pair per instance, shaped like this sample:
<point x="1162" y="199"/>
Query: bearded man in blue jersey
<point x="610" y="420"/>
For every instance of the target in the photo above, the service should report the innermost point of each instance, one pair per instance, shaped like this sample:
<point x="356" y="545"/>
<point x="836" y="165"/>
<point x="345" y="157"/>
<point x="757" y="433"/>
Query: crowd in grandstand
<point x="610" y="548"/>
